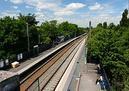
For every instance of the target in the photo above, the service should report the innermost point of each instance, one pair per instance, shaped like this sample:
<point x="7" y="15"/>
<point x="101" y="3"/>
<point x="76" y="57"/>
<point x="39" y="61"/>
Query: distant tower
<point x="89" y="24"/>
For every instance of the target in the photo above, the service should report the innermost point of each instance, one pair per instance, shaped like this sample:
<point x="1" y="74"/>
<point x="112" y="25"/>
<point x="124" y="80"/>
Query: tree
<point x="13" y="39"/>
<point x="13" y="33"/>
<point x="118" y="74"/>
<point x="110" y="46"/>
<point x="64" y="28"/>
<point x="70" y="30"/>
<point x="29" y="18"/>
<point x="99" y="25"/>
<point x="124" y="20"/>
<point x="105" y="25"/>
<point x="111" y="26"/>
<point x="49" y="31"/>
<point x="32" y="22"/>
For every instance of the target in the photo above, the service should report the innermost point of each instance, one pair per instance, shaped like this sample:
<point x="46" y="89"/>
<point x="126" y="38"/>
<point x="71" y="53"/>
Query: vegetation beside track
<point x="14" y="37"/>
<point x="109" y="44"/>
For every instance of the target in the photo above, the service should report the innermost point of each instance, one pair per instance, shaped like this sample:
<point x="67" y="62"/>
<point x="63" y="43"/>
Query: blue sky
<point x="76" y="11"/>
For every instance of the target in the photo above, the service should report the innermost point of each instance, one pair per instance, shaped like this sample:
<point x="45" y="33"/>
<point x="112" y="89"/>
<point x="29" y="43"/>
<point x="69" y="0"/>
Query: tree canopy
<point x="109" y="44"/>
<point x="13" y="33"/>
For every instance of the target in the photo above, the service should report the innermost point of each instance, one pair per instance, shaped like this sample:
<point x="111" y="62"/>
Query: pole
<point x="89" y="38"/>
<point x="28" y="39"/>
<point x="89" y="29"/>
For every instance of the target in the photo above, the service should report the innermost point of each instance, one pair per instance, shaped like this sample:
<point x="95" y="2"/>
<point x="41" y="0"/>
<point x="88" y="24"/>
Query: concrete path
<point x="88" y="79"/>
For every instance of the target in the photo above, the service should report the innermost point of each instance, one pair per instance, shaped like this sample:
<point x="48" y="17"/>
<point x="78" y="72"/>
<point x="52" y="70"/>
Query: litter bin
<point x="36" y="50"/>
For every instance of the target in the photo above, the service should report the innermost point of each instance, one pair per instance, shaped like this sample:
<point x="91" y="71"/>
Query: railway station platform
<point x="85" y="76"/>
<point x="79" y="76"/>
<point x="32" y="61"/>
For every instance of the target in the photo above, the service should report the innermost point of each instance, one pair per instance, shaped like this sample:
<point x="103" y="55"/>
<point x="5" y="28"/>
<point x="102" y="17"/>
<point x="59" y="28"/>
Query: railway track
<point x="46" y="76"/>
<point x="54" y="80"/>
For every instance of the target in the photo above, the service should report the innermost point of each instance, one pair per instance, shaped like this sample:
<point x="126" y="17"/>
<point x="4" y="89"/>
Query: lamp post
<point x="28" y="39"/>
<point x="38" y="35"/>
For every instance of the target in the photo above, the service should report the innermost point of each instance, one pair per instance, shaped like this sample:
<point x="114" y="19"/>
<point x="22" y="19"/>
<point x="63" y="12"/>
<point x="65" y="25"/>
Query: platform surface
<point x="88" y="79"/>
<point x="5" y="75"/>
<point x="28" y="63"/>
<point x="85" y="76"/>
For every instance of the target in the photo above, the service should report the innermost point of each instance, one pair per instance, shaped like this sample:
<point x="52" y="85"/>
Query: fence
<point x="21" y="57"/>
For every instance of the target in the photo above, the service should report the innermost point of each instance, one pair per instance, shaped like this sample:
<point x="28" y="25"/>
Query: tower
<point x="89" y="24"/>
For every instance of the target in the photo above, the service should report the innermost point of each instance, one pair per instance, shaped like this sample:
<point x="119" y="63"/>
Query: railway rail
<point x="54" y="80"/>
<point x="46" y="74"/>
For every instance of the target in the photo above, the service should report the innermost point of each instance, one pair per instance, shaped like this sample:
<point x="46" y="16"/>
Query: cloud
<point x="83" y="19"/>
<point x="96" y="6"/>
<point x="100" y="18"/>
<point x="16" y="1"/>
<point x="69" y="9"/>
<point x="74" y="6"/>
<point x="40" y="4"/>
<point x="54" y="9"/>
<point x="59" y="19"/>
<point x="9" y="13"/>
<point x="28" y="7"/>
<point x="39" y="15"/>
<point x="63" y="13"/>
<point x="52" y="5"/>
<point x="15" y="7"/>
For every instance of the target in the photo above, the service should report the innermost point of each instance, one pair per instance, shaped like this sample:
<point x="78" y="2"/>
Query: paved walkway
<point x="85" y="76"/>
<point x="88" y="79"/>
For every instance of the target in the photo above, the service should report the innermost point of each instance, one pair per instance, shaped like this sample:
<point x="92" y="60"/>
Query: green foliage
<point x="13" y="33"/>
<point x="111" y="26"/>
<point x="118" y="74"/>
<point x="68" y="29"/>
<point x="124" y="21"/>
<point x="110" y="45"/>
<point x="105" y="25"/>
<point x="126" y="84"/>
<point x="29" y="19"/>
<point x="99" y="25"/>
<point x="51" y="30"/>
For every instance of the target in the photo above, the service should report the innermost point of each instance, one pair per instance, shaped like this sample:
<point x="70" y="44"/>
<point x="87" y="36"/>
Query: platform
<point x="9" y="80"/>
<point x="32" y="61"/>
<point x="85" y="76"/>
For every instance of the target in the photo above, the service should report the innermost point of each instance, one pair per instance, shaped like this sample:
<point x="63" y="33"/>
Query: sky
<point x="79" y="12"/>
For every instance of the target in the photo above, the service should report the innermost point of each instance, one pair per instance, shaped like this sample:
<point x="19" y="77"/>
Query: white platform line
<point x="66" y="79"/>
